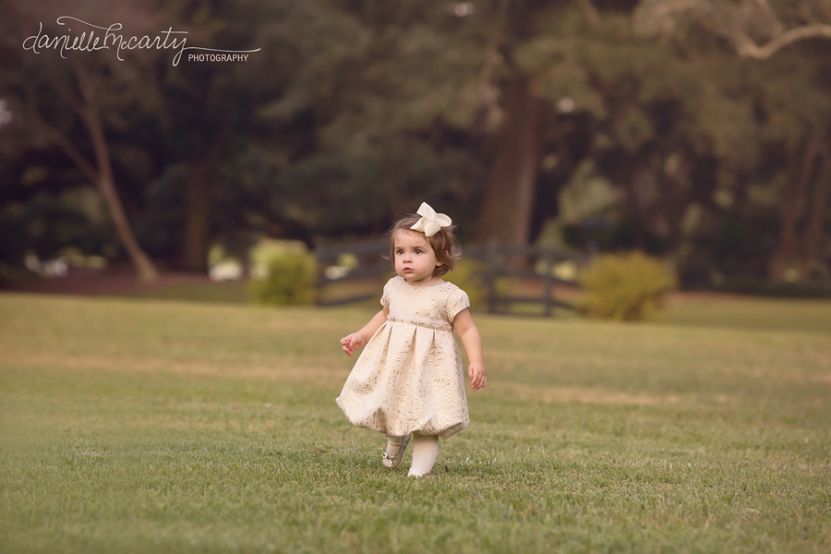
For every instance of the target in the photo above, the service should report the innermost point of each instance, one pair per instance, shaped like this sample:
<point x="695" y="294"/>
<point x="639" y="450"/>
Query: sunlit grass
<point x="743" y="313"/>
<point x="139" y="426"/>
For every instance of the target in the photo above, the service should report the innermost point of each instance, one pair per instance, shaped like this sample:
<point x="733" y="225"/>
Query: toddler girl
<point x="409" y="380"/>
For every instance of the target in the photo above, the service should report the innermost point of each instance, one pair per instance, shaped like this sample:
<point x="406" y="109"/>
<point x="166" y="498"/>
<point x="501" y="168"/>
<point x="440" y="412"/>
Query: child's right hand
<point x="352" y="342"/>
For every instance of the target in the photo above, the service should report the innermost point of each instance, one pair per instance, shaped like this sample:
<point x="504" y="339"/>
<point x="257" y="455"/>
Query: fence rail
<point x="367" y="265"/>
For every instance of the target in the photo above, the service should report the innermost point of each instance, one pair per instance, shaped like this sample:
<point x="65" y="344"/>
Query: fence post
<point x="549" y="266"/>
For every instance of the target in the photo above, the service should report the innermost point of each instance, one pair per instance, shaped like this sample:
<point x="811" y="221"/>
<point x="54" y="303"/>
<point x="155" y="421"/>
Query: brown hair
<point x="446" y="250"/>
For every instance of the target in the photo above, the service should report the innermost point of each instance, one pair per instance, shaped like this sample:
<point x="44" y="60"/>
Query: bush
<point x="628" y="287"/>
<point x="289" y="280"/>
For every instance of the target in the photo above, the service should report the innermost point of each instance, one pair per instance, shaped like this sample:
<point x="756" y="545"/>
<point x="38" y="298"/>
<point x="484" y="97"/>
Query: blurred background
<point x="695" y="132"/>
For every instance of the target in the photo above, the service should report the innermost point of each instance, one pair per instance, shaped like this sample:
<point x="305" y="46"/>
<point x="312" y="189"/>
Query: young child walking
<point x="409" y="380"/>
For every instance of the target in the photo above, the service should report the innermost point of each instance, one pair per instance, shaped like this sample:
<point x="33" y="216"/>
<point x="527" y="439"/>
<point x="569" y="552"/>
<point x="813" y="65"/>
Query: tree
<point x="742" y="22"/>
<point x="798" y="120"/>
<point x="91" y="87"/>
<point x="387" y="91"/>
<point x="204" y="108"/>
<point x="499" y="113"/>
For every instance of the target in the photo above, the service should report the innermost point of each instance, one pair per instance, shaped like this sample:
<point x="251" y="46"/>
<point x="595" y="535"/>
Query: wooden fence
<point x="370" y="266"/>
<point x="528" y="262"/>
<point x="499" y="261"/>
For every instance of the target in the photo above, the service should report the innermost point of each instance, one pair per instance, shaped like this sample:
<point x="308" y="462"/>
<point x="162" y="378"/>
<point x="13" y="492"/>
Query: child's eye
<point x="418" y="250"/>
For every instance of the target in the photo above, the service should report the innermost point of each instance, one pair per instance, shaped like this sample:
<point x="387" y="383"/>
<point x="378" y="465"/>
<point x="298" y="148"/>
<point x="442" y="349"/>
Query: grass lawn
<point x="228" y="292"/>
<point x="130" y="425"/>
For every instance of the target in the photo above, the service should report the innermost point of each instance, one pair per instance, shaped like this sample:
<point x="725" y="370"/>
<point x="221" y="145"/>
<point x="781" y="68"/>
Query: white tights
<point x="425" y="452"/>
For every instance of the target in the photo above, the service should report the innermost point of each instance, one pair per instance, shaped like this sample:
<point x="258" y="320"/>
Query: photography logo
<point x="109" y="38"/>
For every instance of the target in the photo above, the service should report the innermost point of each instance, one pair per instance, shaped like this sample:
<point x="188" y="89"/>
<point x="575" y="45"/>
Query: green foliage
<point x="626" y="287"/>
<point x="266" y="250"/>
<point x="50" y="224"/>
<point x="354" y="112"/>
<point x="586" y="194"/>
<point x="290" y="280"/>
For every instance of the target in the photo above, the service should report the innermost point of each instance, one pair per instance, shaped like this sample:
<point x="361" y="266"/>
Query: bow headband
<point x="430" y="222"/>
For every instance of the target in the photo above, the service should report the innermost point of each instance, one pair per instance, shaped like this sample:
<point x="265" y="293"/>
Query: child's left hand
<point x="476" y="371"/>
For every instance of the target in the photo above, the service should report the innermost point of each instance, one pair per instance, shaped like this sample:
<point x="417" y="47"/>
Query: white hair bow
<point x="430" y="222"/>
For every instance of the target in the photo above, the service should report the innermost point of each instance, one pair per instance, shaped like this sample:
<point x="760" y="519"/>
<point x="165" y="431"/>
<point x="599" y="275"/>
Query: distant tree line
<point x="694" y="130"/>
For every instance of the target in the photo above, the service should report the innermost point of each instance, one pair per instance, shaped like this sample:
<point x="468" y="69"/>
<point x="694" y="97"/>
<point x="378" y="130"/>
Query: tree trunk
<point x="813" y="231"/>
<point x="785" y="252"/>
<point x="506" y="214"/>
<point x="640" y="195"/>
<point x="388" y="184"/>
<point x="194" y="253"/>
<point x="145" y="270"/>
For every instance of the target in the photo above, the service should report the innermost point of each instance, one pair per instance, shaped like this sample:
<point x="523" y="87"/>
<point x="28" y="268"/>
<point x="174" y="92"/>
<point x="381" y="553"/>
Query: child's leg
<point x="395" y="451"/>
<point x="393" y="444"/>
<point x="425" y="452"/>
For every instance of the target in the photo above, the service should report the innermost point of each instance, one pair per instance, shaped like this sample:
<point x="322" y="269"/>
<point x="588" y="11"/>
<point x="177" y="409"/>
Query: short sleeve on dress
<point x="456" y="302"/>
<point x="385" y="300"/>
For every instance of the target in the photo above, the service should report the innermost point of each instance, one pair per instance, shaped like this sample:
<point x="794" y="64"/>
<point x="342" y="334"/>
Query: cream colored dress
<point x="409" y="376"/>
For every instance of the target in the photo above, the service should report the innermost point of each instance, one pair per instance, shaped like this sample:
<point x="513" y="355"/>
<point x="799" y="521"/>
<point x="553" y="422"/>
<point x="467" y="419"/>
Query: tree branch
<point x="72" y="100"/>
<point x="776" y="25"/>
<point x="590" y="12"/>
<point x="63" y="142"/>
<point x="746" y="48"/>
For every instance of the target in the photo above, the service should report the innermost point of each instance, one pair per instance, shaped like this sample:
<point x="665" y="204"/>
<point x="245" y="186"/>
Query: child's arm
<point x="354" y="341"/>
<point x="473" y="347"/>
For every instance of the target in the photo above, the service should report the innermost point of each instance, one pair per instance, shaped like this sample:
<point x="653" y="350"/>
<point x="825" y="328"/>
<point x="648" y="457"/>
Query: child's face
<point x="415" y="260"/>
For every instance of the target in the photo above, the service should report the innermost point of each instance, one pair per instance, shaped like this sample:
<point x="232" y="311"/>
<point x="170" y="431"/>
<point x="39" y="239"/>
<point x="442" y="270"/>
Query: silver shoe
<point x="392" y="461"/>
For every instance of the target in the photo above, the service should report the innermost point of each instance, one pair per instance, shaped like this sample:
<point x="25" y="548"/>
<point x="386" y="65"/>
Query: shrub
<point x="627" y="287"/>
<point x="289" y="280"/>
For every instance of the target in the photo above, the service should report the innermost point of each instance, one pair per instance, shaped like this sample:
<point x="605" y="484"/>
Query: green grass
<point x="228" y="292"/>
<point x="743" y="313"/>
<point x="146" y="426"/>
